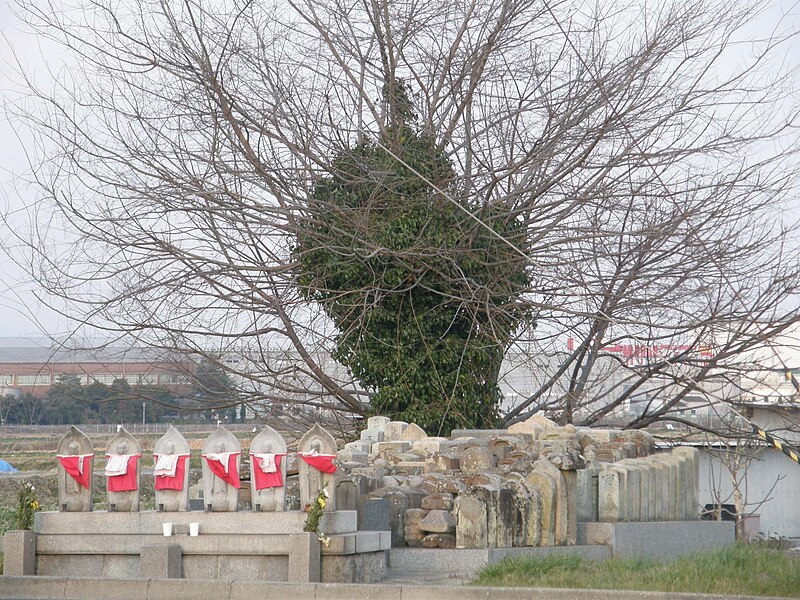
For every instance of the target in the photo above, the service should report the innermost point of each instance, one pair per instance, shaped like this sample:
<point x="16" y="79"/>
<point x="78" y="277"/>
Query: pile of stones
<point x="493" y="488"/>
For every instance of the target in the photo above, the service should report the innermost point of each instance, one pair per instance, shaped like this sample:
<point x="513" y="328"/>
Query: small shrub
<point x="27" y="505"/>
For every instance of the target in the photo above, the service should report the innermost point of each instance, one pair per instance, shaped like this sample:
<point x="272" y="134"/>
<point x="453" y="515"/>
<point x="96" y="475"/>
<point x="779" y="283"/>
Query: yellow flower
<point x="321" y="502"/>
<point x="35" y="505"/>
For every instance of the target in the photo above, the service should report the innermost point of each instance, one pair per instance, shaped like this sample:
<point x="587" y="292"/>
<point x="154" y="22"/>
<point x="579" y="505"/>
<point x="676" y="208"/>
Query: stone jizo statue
<point x="221" y="464"/>
<point x="122" y="472"/>
<point x="75" y="458"/>
<point x="316" y="451"/>
<point x="268" y="471"/>
<point x="170" y="471"/>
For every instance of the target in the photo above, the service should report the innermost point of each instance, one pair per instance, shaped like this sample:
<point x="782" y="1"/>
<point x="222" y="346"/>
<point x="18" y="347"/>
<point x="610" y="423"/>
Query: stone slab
<point x="471" y="560"/>
<point x="150" y="522"/>
<point x="161" y="561"/>
<point x="661" y="540"/>
<point x="90" y="590"/>
<point x="52" y="588"/>
<point x="19" y="548"/>
<point x="477" y="433"/>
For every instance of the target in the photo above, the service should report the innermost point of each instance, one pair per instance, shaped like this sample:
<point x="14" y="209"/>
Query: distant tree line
<point x="69" y="401"/>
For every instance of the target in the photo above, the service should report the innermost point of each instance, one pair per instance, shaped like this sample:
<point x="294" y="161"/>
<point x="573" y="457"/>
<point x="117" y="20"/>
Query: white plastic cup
<point x="167" y="529"/>
<point x="194" y="529"/>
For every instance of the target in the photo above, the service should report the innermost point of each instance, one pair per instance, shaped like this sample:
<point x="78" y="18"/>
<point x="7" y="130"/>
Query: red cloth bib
<point x="232" y="476"/>
<point x="128" y="482"/>
<point x="70" y="464"/>
<point x="267" y="480"/>
<point x="321" y="462"/>
<point x="164" y="482"/>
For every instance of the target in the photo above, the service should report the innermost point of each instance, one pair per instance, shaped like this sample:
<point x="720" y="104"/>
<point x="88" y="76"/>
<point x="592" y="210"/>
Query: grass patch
<point x="739" y="569"/>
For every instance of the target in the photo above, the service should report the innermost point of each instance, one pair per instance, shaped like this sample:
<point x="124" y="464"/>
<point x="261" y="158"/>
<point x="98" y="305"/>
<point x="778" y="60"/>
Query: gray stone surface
<point x="149" y="523"/>
<point x="161" y="561"/>
<point x="19" y="550"/>
<point x="304" y="558"/>
<point x="662" y="540"/>
<point x="373" y="514"/>
<point x="393" y="430"/>
<point x="477" y="460"/>
<point x="438" y="521"/>
<point x="416" y="587"/>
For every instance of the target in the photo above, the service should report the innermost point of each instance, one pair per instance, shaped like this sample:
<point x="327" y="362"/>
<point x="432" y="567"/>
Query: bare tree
<point x="645" y="167"/>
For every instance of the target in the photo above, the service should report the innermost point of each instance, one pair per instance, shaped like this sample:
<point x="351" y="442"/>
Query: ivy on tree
<point x="422" y="282"/>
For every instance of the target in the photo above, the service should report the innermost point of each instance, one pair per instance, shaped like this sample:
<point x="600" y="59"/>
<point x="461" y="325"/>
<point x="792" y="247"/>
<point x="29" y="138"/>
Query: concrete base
<point x="230" y="546"/>
<point x="155" y="589"/>
<point x="661" y="540"/>
<point x="19" y="549"/>
<point x="161" y="561"/>
<point x="467" y="562"/>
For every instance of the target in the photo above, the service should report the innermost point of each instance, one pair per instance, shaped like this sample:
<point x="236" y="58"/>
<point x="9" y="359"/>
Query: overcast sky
<point x="20" y="313"/>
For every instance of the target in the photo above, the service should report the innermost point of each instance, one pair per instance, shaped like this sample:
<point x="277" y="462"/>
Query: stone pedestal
<point x="19" y="549"/>
<point x="160" y="561"/>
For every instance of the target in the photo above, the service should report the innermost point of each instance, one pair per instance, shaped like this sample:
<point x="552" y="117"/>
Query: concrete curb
<point x="39" y="587"/>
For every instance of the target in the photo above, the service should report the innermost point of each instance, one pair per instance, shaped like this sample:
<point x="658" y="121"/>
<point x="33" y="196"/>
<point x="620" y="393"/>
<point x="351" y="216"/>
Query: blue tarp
<point x="6" y="468"/>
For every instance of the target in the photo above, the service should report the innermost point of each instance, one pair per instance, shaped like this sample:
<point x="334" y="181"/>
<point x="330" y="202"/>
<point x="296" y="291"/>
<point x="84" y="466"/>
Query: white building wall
<point x="780" y="513"/>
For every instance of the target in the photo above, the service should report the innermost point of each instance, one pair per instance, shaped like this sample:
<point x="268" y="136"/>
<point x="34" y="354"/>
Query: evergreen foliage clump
<point x="422" y="281"/>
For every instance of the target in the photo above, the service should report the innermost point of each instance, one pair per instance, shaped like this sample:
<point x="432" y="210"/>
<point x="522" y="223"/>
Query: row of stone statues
<point x="221" y="453"/>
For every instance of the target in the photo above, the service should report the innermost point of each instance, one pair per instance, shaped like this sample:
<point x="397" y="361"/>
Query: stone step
<point x="468" y="561"/>
<point x="403" y="576"/>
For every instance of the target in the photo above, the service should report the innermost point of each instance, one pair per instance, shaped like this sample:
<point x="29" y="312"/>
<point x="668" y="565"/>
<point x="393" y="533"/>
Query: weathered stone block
<point x="428" y="446"/>
<point x="396" y="446"/>
<point x="471" y="522"/>
<point x="442" y="463"/>
<point x="161" y="561"/>
<point x="438" y="521"/>
<point x="438" y="501"/>
<point x="477" y="460"/>
<point x="393" y="430"/>
<point x="377" y="422"/>
<point x="413" y="433"/>
<point x="439" y="540"/>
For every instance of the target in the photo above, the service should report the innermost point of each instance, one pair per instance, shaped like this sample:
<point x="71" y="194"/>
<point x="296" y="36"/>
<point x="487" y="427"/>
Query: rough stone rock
<point x="542" y="421"/>
<point x="396" y="447"/>
<point x="489" y="494"/>
<point x="377" y="422"/>
<point x="439" y="540"/>
<point x="359" y="445"/>
<point x="407" y="468"/>
<point x="412" y="532"/>
<point x="371" y="436"/>
<point x="442" y="463"/>
<point x="400" y="499"/>
<point x="477" y="460"/>
<point x="529" y="513"/>
<point x="455" y="486"/>
<point x="428" y="446"/>
<point x="349" y="455"/>
<point x="545" y="487"/>
<point x="413" y="433"/>
<point x="564" y="457"/>
<point x="566" y="506"/>
<point x="506" y="515"/>
<point x="393" y="430"/>
<point x="525" y="427"/>
<point x="439" y="501"/>
<point x="470" y="514"/>
<point x="438" y="521"/>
